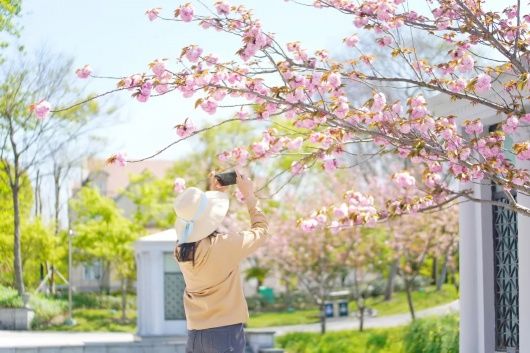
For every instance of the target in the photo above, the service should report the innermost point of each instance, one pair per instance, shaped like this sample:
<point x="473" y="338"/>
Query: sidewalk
<point x="350" y="323"/>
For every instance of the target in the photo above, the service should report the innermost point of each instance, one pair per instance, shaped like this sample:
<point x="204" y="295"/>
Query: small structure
<point x="494" y="250"/>
<point x="160" y="286"/>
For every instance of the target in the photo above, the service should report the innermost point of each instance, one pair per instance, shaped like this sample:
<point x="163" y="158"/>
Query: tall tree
<point x="27" y="143"/>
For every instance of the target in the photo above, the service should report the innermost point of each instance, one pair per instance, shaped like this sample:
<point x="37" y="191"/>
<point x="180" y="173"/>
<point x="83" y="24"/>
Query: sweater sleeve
<point x="233" y="248"/>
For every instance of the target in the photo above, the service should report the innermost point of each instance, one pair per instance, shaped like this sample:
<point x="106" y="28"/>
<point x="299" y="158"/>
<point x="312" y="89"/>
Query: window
<point x="92" y="271"/>
<point x="173" y="289"/>
<point x="506" y="271"/>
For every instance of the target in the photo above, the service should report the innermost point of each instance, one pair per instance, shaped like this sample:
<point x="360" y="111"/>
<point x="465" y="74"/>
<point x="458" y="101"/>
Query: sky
<point x="116" y="39"/>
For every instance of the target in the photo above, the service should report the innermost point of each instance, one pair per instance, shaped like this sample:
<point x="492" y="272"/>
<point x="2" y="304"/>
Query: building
<point x="494" y="253"/>
<point x="110" y="180"/>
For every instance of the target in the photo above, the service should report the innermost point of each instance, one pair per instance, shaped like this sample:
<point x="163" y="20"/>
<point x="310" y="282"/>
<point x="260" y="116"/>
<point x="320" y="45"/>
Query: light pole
<point x="70" y="321"/>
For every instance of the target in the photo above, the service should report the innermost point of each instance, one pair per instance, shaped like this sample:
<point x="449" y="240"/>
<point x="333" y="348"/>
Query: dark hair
<point x="186" y="252"/>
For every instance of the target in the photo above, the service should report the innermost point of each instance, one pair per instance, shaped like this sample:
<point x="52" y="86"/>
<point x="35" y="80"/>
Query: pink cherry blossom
<point x="334" y="80"/>
<point x="119" y="159"/>
<point x="186" y="13"/>
<point x="524" y="151"/>
<point x="510" y="125"/>
<point x="186" y="129"/>
<point x="209" y="106"/>
<point x="297" y="168"/>
<point x="179" y="185"/>
<point x="158" y="67"/>
<point x="193" y="53"/>
<point x="295" y="144"/>
<point x="222" y="7"/>
<point x="41" y="109"/>
<point x="404" y="180"/>
<point x="309" y="225"/>
<point x="153" y="13"/>
<point x="483" y="83"/>
<point x="330" y="164"/>
<point x="473" y="127"/>
<point x="351" y="41"/>
<point x="457" y="85"/>
<point x="466" y="64"/>
<point x="84" y="72"/>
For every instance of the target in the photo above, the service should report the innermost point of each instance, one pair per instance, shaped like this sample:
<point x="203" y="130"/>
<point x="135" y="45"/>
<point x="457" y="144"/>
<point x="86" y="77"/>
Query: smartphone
<point x="227" y="178"/>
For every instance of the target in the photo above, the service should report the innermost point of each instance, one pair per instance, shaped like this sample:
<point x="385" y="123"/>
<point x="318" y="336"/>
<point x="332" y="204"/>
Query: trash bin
<point x="266" y="294"/>
<point x="342" y="307"/>
<point x="328" y="309"/>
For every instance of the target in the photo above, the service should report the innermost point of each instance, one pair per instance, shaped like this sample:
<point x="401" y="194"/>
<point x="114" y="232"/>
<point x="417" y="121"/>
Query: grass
<point x="432" y="335"/>
<point x="421" y="299"/>
<point x="283" y="318"/>
<point x="94" y="320"/>
<point x="92" y="311"/>
<point x="427" y="298"/>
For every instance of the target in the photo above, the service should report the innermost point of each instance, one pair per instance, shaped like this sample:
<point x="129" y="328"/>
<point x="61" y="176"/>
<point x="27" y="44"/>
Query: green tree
<point x="103" y="233"/>
<point x="27" y="143"/>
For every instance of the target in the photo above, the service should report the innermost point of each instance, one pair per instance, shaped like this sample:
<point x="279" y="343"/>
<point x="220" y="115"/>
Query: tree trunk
<point x="442" y="277"/>
<point x="52" y="279"/>
<point x="361" y="308"/>
<point x="19" y="274"/>
<point x="124" y="299"/>
<point x="408" y="287"/>
<point x="389" y="291"/>
<point x="323" y="318"/>
<point x="434" y="274"/>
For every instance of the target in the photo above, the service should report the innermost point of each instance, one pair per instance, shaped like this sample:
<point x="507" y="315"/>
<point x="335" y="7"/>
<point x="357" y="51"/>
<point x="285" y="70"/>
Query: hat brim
<point x="214" y="213"/>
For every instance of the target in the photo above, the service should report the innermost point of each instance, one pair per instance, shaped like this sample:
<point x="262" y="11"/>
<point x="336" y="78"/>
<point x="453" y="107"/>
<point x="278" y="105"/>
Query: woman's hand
<point x="246" y="187"/>
<point x="214" y="183"/>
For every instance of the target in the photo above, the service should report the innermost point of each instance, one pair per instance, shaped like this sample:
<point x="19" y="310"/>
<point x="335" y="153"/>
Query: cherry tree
<point x="485" y="64"/>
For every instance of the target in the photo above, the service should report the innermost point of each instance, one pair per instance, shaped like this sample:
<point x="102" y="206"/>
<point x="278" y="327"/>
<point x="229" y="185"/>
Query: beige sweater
<point x="214" y="295"/>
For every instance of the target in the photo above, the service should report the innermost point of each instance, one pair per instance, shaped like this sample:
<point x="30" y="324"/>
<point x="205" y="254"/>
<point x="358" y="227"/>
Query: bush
<point x="46" y="309"/>
<point x="9" y="298"/>
<point x="433" y="335"/>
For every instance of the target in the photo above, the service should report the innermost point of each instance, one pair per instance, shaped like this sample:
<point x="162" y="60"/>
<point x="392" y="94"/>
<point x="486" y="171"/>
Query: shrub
<point x="433" y="335"/>
<point x="9" y="298"/>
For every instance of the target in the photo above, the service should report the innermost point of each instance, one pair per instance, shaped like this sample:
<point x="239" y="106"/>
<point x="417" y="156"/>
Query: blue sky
<point x="116" y="38"/>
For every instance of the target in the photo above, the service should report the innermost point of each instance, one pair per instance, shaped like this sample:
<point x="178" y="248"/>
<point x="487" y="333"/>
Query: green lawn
<point x="427" y="298"/>
<point x="421" y="299"/>
<point x="94" y="320"/>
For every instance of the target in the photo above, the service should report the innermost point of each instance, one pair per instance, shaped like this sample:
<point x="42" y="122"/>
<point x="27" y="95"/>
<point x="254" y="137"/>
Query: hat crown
<point x="187" y="203"/>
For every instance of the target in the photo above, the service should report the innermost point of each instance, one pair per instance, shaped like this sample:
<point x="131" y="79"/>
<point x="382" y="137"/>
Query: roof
<point x="166" y="237"/>
<point x="118" y="177"/>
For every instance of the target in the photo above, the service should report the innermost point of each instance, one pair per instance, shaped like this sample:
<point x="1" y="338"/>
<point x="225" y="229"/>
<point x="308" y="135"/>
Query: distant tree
<point x="103" y="233"/>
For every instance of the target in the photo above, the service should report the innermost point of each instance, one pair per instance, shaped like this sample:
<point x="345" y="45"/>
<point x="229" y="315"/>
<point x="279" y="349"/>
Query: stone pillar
<point x="468" y="277"/>
<point x="523" y="225"/>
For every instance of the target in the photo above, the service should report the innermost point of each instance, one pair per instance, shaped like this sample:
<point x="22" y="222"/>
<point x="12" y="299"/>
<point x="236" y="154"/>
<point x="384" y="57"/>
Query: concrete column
<point x="468" y="277"/>
<point x="155" y="292"/>
<point x="485" y="271"/>
<point x="523" y="225"/>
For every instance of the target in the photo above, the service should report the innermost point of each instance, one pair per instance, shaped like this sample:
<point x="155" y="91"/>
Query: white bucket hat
<point x="199" y="213"/>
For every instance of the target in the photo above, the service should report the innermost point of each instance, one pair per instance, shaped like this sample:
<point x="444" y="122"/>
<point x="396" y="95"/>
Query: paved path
<point x="349" y="323"/>
<point x="49" y="338"/>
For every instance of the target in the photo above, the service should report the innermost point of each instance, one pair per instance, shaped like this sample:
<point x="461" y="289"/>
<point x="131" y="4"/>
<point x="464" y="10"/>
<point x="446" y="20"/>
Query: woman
<point x="214" y="302"/>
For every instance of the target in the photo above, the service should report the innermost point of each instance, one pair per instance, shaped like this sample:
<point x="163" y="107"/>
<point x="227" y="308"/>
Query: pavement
<point x="47" y="338"/>
<point x="352" y="323"/>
